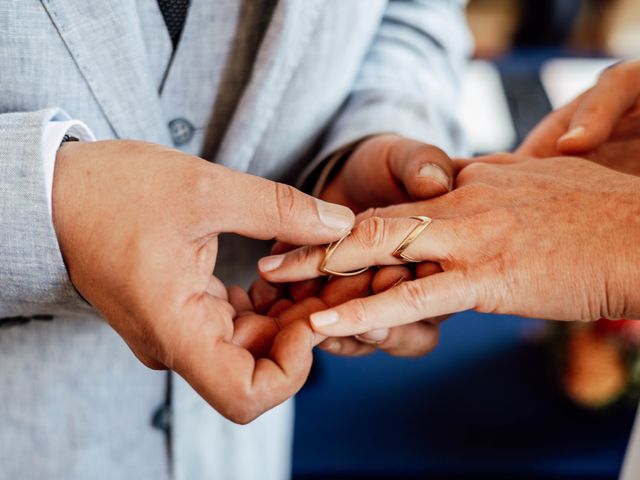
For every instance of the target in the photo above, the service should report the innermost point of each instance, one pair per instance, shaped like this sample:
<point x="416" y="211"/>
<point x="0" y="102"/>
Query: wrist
<point x="627" y="255"/>
<point x="63" y="187"/>
<point x="54" y="134"/>
<point x="334" y="163"/>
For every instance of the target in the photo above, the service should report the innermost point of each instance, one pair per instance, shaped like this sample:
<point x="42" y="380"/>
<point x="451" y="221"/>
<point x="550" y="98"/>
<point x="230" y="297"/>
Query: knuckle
<point x="413" y="296"/>
<point x="370" y="213"/>
<point x="591" y="110"/>
<point x="199" y="184"/>
<point x="370" y="233"/>
<point x="473" y="172"/>
<point x="490" y="296"/>
<point x="360" y="315"/>
<point x="241" y="416"/>
<point x="472" y="192"/>
<point x="308" y="256"/>
<point x="243" y="409"/>
<point x="285" y="204"/>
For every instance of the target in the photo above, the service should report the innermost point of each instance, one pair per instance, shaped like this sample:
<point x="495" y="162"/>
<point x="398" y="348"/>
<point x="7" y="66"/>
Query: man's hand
<point x="388" y="169"/>
<point x="411" y="340"/>
<point x="555" y="238"/>
<point x="602" y="124"/>
<point x="138" y="224"/>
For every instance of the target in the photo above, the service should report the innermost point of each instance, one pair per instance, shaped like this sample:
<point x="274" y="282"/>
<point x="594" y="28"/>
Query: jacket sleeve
<point x="409" y="81"/>
<point x="33" y="278"/>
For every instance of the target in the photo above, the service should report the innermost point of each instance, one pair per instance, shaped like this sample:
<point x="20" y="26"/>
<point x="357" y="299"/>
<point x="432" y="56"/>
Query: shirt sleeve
<point x="52" y="136"/>
<point x="409" y="82"/>
<point x="33" y="275"/>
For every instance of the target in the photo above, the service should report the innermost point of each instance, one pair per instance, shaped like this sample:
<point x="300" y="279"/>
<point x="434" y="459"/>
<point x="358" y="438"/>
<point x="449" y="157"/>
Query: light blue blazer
<point x="74" y="402"/>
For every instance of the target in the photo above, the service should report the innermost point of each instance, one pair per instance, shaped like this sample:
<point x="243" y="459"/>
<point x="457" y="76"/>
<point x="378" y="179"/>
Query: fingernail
<point x="435" y="172"/>
<point x="575" y="132"/>
<point x="374" y="337"/>
<point x="267" y="264"/>
<point x="322" y="319"/>
<point x="335" y="216"/>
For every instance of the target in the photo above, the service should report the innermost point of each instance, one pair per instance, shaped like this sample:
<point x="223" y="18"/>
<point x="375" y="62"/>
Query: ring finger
<point x="372" y="242"/>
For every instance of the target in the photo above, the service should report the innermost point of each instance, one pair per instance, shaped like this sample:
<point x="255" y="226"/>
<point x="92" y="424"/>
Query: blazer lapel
<point x="104" y="38"/>
<point x="285" y="40"/>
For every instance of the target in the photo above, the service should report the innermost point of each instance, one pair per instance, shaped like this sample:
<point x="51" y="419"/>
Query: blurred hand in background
<point x="602" y="124"/>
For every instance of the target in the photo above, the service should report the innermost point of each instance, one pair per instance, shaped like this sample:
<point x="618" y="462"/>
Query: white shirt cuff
<point x="52" y="136"/>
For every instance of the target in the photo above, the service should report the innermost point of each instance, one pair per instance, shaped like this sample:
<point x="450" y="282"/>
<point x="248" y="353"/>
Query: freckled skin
<point x="557" y="238"/>
<point x="546" y="232"/>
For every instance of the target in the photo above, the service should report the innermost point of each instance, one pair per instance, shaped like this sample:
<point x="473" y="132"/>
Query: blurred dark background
<point x="486" y="404"/>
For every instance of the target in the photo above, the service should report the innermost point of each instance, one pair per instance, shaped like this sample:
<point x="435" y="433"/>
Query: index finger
<point x="542" y="141"/>
<point x="372" y="242"/>
<point x="617" y="90"/>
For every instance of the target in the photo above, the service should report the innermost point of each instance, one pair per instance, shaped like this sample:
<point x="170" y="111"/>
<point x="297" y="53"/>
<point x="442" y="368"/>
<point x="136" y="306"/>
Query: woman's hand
<point x="602" y="124"/>
<point x="382" y="170"/>
<point x="557" y="238"/>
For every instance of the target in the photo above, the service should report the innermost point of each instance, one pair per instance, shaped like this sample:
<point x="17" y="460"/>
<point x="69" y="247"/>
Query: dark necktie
<point x="174" y="13"/>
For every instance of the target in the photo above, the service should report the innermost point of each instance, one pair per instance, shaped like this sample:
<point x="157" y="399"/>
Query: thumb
<point x="423" y="169"/>
<point x="615" y="93"/>
<point x="258" y="208"/>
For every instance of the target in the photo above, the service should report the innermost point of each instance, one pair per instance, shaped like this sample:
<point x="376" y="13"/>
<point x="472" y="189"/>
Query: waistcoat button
<point x="181" y="131"/>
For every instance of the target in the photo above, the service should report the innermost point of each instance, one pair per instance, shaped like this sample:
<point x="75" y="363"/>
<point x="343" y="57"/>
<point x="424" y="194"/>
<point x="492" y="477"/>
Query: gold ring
<point x="410" y="238"/>
<point x="330" y="250"/>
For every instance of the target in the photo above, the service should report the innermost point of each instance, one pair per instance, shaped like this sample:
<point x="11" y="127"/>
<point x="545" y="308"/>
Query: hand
<point x="383" y="170"/>
<point x="256" y="333"/>
<point x="406" y="341"/>
<point x="554" y="238"/>
<point x="138" y="224"/>
<point x="388" y="169"/>
<point x="602" y="124"/>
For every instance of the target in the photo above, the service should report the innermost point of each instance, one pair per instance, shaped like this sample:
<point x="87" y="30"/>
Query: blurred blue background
<point x="482" y="405"/>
